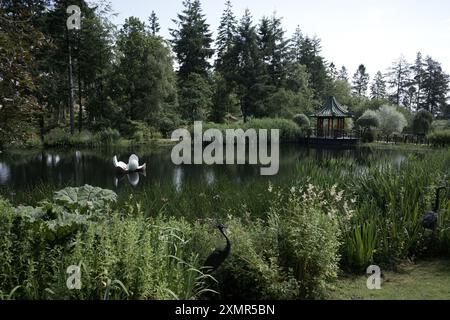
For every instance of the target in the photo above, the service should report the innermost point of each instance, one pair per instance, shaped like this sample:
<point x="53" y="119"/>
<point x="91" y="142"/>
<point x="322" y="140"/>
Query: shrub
<point x="368" y="120"/>
<point x="302" y="121"/>
<point x="369" y="136"/>
<point x="56" y="137"/>
<point x="252" y="270"/>
<point x="33" y="141"/>
<point x="289" y="131"/>
<point x="307" y="224"/>
<point x="440" y="125"/>
<point x="143" y="133"/>
<point x="391" y="120"/>
<point x="107" y="136"/>
<point x="422" y="122"/>
<point x="125" y="256"/>
<point x="59" y="137"/>
<point x="440" y="138"/>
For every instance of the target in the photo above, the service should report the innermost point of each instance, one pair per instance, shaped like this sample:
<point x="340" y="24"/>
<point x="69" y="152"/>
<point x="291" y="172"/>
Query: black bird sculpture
<point x="430" y="220"/>
<point x="216" y="258"/>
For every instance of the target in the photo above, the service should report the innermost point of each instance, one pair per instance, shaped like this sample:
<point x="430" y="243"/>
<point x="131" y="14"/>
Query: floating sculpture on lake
<point x="132" y="166"/>
<point x="216" y="259"/>
<point x="430" y="220"/>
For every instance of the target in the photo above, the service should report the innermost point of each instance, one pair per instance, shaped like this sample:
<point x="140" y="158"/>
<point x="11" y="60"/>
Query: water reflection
<point x="56" y="170"/>
<point x="133" y="178"/>
<point x="178" y="178"/>
<point x="53" y="160"/>
<point x="5" y="173"/>
<point x="210" y="177"/>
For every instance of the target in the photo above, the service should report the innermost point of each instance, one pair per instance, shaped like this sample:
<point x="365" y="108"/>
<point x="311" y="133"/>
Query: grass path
<point x="426" y="280"/>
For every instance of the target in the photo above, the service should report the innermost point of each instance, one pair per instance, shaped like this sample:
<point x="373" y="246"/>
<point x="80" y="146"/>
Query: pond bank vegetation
<point x="292" y="244"/>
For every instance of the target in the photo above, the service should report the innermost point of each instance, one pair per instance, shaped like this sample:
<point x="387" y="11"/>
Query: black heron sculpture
<point x="216" y="258"/>
<point x="430" y="220"/>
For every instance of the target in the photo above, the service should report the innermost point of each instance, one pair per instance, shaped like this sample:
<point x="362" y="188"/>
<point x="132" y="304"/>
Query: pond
<point x="27" y="173"/>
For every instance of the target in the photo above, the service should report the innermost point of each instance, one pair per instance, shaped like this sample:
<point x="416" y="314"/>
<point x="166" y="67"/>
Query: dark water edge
<point x="27" y="177"/>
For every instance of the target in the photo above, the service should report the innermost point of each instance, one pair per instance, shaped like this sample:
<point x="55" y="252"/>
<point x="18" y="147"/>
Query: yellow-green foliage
<point x="126" y="256"/>
<point x="440" y="138"/>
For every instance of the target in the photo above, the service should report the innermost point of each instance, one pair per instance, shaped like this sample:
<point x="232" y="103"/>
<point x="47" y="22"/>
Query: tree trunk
<point x="71" y="95"/>
<point x="80" y="113"/>
<point x="80" y="95"/>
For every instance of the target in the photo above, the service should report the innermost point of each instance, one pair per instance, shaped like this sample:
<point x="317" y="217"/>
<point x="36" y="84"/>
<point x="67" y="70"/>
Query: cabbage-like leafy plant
<point x="86" y="199"/>
<point x="70" y="210"/>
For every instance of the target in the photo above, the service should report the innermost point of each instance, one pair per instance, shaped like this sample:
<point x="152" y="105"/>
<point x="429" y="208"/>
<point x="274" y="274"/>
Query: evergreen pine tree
<point x="154" y="24"/>
<point x="398" y="80"/>
<point x="378" y="87"/>
<point x="360" y="81"/>
<point x="192" y="41"/>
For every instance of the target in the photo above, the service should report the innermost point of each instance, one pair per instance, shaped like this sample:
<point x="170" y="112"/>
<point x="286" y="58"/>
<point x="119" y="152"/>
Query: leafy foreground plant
<point x="121" y="256"/>
<point x="128" y="256"/>
<point x="294" y="249"/>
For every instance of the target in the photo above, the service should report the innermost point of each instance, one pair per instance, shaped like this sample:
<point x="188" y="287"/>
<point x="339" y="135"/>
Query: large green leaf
<point x="86" y="198"/>
<point x="72" y="208"/>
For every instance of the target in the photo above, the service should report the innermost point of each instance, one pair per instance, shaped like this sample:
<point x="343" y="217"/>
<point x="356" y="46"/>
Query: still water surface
<point x="56" y="169"/>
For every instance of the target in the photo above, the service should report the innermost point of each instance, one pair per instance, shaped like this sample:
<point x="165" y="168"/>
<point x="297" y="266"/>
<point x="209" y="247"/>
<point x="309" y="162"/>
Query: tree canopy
<point x="131" y="77"/>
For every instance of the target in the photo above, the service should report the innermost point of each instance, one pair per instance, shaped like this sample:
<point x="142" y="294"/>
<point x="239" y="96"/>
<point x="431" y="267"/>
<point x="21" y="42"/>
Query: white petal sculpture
<point x="132" y="166"/>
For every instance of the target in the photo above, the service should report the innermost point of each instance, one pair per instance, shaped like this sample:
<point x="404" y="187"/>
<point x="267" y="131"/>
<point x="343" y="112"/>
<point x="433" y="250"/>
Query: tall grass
<point x="393" y="201"/>
<point x="289" y="239"/>
<point x="61" y="138"/>
<point x="126" y="257"/>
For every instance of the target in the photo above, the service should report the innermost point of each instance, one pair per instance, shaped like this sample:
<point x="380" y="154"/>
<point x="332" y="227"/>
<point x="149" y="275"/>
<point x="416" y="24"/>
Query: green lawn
<point x="426" y="280"/>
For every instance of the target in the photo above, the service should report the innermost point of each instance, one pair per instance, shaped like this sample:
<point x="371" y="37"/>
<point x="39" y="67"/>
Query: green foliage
<point x="122" y="257"/>
<point x="370" y="119"/>
<point x="192" y="41"/>
<point x="108" y="136"/>
<point x="391" y="120"/>
<point x="342" y="91"/>
<point x="440" y="138"/>
<point x="294" y="254"/>
<point x="289" y="130"/>
<point x="59" y="137"/>
<point x="302" y="121"/>
<point x="422" y="122"/>
<point x="286" y="245"/>
<point x="360" y="81"/>
<point x="308" y="236"/>
<point x="361" y="238"/>
<point x="252" y="270"/>
<point x="439" y="125"/>
<point x="402" y="196"/>
<point x="70" y="209"/>
<point x="19" y="44"/>
<point x="85" y="199"/>
<point x="144" y="80"/>
<point x="144" y="133"/>
<point x="369" y="136"/>
<point x="195" y="97"/>
<point x="305" y="50"/>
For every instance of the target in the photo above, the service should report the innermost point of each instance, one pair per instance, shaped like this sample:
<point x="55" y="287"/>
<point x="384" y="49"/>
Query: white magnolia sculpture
<point x="132" y="166"/>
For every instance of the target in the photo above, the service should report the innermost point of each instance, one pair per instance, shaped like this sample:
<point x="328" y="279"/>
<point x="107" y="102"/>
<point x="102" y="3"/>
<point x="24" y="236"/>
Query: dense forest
<point x="134" y="83"/>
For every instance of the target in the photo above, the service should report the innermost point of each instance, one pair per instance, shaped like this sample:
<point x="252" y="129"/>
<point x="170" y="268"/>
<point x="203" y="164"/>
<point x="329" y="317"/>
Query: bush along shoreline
<point x="310" y="233"/>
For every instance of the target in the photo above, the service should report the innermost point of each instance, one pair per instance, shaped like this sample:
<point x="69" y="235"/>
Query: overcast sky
<point x="352" y="31"/>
